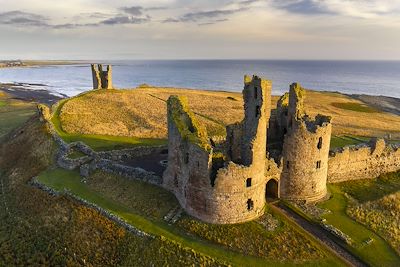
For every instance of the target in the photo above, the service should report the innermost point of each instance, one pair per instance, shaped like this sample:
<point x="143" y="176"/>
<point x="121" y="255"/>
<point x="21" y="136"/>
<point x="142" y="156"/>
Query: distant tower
<point x="305" y="151"/>
<point x="101" y="79"/>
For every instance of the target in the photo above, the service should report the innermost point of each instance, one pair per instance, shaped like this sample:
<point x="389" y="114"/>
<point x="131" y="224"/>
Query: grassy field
<point x="377" y="204"/>
<point x="100" y="142"/>
<point x="141" y="113"/>
<point x="13" y="113"/>
<point x="144" y="205"/>
<point x="358" y="107"/>
<point x="377" y="253"/>
<point x="346" y="140"/>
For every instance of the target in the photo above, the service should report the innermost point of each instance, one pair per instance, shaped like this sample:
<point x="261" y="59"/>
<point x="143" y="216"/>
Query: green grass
<point x="372" y="189"/>
<point x="347" y="140"/>
<point x="378" y="253"/>
<point x="101" y="142"/>
<point x="75" y="154"/>
<point x="13" y="116"/>
<point x="355" y="107"/>
<point x="62" y="179"/>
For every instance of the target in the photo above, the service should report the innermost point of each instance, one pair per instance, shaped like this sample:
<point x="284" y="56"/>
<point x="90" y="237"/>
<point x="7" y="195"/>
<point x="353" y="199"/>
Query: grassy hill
<point x="141" y="112"/>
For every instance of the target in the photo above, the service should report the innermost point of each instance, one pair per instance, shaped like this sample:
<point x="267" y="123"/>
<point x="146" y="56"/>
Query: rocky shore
<point x="30" y="92"/>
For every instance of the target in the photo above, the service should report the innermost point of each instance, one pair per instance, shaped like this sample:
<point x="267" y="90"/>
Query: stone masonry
<point x="305" y="151"/>
<point x="227" y="186"/>
<point x="101" y="79"/>
<point x="363" y="161"/>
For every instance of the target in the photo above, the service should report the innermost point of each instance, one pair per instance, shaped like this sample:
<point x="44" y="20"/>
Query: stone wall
<point x="363" y="161"/>
<point x="132" y="153"/>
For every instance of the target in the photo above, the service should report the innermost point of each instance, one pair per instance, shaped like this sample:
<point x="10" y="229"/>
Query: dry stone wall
<point x="363" y="161"/>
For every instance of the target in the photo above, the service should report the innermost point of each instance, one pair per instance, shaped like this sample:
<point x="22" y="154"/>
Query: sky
<point x="200" y="29"/>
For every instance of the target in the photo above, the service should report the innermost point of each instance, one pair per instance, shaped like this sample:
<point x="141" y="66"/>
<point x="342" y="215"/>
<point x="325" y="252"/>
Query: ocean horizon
<point x="372" y="77"/>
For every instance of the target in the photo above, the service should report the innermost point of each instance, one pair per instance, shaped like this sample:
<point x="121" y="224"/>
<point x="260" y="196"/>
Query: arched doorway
<point x="272" y="190"/>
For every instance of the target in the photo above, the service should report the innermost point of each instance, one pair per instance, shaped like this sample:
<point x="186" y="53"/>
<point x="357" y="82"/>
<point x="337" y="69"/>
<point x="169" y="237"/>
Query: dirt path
<point x="321" y="235"/>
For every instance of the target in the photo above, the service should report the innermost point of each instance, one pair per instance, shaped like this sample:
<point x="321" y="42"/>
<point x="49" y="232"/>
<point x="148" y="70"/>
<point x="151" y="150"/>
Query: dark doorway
<point x="271" y="190"/>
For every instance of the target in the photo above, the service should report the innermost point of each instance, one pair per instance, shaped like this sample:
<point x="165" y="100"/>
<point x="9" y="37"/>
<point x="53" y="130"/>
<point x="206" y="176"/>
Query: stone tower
<point x="305" y="151"/>
<point x="220" y="186"/>
<point x="101" y="79"/>
<point x="257" y="112"/>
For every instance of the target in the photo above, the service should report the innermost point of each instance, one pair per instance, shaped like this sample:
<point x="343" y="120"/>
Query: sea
<point x="349" y="77"/>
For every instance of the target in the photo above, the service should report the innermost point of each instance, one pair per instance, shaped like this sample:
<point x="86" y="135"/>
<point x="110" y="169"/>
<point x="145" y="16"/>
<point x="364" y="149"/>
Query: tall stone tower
<point x="101" y="79"/>
<point x="305" y="151"/>
<point x="257" y="112"/>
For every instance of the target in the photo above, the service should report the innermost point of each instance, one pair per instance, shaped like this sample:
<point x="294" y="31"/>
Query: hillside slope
<point x="142" y="112"/>
<point x="38" y="229"/>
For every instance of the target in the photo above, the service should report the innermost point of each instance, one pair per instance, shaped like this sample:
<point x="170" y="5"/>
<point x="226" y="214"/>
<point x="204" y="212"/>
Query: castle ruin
<point x="220" y="186"/>
<point x="101" y="79"/>
<point x="232" y="185"/>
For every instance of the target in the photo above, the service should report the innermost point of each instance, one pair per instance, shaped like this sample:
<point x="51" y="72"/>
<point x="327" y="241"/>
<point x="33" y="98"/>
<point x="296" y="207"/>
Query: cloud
<point x="156" y="8"/>
<point x="133" y="10"/>
<point x="306" y="7"/>
<point x="125" y="20"/>
<point x="195" y="16"/>
<point x="205" y="15"/>
<point x="212" y="22"/>
<point x="347" y="8"/>
<point x="20" y="18"/>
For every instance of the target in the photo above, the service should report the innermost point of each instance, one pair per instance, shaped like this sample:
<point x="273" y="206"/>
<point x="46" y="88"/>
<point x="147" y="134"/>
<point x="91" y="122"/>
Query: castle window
<point x="255" y="92"/>
<point x="318" y="164"/>
<point x="287" y="164"/>
<point x="258" y="111"/>
<point x="319" y="146"/>
<point x="186" y="158"/>
<point x="248" y="182"/>
<point x="250" y="204"/>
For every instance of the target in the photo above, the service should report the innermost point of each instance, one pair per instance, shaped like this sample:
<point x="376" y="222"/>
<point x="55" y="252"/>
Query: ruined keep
<point x="220" y="186"/>
<point x="101" y="79"/>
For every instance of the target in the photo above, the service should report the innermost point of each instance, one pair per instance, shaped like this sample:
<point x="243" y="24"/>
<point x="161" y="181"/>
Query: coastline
<point x="6" y="64"/>
<point x="24" y="92"/>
